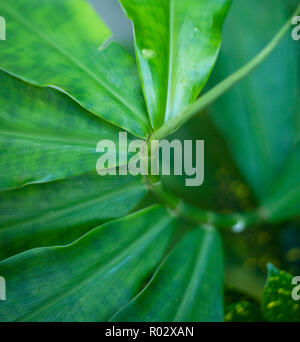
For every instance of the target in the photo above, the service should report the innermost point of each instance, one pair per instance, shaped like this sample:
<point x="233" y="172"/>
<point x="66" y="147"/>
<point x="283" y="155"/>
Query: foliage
<point x="242" y="312"/>
<point x="277" y="304"/>
<point x="75" y="246"/>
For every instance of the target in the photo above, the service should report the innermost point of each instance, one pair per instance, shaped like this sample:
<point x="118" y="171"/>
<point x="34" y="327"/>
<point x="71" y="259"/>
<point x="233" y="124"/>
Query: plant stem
<point x="174" y="123"/>
<point x="235" y="221"/>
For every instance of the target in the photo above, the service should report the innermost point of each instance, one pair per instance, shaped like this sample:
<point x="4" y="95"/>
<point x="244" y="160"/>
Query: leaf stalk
<point x="237" y="222"/>
<point x="173" y="124"/>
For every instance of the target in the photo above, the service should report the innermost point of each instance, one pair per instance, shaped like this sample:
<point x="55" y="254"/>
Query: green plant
<point x="63" y="88"/>
<point x="277" y="304"/>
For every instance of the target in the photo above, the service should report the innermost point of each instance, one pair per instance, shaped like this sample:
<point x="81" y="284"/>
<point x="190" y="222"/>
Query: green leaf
<point x="60" y="212"/>
<point x="62" y="44"/>
<point x="277" y="303"/>
<point x="188" y="285"/>
<point x="221" y="88"/>
<point x="90" y="279"/>
<point x="283" y="200"/>
<point x="258" y="116"/>
<point x="177" y="43"/>
<point x="45" y="135"/>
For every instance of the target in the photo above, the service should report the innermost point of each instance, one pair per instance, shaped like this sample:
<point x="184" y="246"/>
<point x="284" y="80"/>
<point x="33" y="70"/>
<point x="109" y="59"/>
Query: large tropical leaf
<point x="187" y="287"/>
<point x="260" y="116"/>
<point x="90" y="279"/>
<point x="45" y="135"/>
<point x="177" y="43"/>
<point x="59" y="212"/>
<point x="243" y="311"/>
<point x="62" y="44"/>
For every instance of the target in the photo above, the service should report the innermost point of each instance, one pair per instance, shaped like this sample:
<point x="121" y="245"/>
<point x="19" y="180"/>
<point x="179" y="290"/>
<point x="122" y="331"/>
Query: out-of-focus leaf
<point x="240" y="306"/>
<point x="46" y="136"/>
<point x="59" y="212"/>
<point x="90" y="279"/>
<point x="177" y="43"/>
<point x="277" y="303"/>
<point x="63" y="44"/>
<point x="242" y="312"/>
<point x="224" y="187"/>
<point x="236" y="295"/>
<point x="188" y="285"/>
<point x="259" y="116"/>
<point x="283" y="201"/>
<point x="289" y="239"/>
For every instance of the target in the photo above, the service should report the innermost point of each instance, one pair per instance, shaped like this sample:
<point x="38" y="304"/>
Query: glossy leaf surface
<point x="177" y="43"/>
<point x="90" y="279"/>
<point x="59" y="212"/>
<point x="187" y="287"/>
